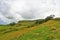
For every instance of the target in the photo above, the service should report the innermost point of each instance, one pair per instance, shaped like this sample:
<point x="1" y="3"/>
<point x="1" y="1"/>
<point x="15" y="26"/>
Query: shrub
<point x="12" y="24"/>
<point x="44" y="20"/>
<point x="49" y="18"/>
<point x="39" y="22"/>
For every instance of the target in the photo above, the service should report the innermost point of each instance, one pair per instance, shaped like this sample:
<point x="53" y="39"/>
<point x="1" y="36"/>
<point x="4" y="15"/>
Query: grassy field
<point x="23" y="31"/>
<point x="6" y="30"/>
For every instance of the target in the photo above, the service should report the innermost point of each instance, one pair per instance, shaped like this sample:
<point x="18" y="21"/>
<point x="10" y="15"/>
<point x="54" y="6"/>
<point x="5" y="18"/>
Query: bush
<point x="12" y="24"/>
<point x="39" y="22"/>
<point x="44" y="20"/>
<point x="49" y="18"/>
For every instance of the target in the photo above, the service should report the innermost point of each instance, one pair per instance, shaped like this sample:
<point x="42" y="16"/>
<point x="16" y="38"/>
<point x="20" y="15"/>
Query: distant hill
<point x="57" y="19"/>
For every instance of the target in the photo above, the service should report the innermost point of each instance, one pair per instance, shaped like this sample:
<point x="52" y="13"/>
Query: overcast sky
<point x="15" y="10"/>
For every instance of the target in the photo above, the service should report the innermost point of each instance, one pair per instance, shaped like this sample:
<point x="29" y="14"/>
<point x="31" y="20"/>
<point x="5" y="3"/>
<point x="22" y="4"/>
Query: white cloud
<point x="28" y="9"/>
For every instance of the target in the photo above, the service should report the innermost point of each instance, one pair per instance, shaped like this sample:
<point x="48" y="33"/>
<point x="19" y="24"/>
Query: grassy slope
<point x="11" y="31"/>
<point x="46" y="31"/>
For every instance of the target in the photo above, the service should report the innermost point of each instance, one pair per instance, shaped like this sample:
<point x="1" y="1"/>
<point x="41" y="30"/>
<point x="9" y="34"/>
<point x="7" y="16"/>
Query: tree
<point x="49" y="17"/>
<point x="12" y="24"/>
<point x="39" y="21"/>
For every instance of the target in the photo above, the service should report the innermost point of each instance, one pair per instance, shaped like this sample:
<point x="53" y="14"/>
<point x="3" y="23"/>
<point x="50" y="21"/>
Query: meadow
<point x="46" y="31"/>
<point x="28" y="30"/>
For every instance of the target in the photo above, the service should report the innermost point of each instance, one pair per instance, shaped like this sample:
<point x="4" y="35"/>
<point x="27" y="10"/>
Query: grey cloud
<point x="15" y="10"/>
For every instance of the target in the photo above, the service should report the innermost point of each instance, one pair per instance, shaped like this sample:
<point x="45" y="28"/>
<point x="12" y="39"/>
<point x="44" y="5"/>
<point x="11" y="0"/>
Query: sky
<point x="16" y="10"/>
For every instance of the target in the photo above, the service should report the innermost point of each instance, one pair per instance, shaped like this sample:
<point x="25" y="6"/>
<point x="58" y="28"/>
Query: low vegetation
<point x="41" y="29"/>
<point x="46" y="31"/>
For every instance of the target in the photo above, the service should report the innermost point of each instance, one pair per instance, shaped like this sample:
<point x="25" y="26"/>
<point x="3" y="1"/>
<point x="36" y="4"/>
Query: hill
<point x="46" y="31"/>
<point x="24" y="30"/>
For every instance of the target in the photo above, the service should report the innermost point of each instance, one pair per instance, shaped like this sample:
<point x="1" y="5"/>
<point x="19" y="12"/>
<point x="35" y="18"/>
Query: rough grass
<point x="21" y="31"/>
<point x="9" y="31"/>
<point x="46" y="31"/>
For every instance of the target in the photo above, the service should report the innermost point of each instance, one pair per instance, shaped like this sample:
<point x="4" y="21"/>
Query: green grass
<point x="40" y="34"/>
<point x="44" y="32"/>
<point x="4" y="29"/>
<point x="47" y="31"/>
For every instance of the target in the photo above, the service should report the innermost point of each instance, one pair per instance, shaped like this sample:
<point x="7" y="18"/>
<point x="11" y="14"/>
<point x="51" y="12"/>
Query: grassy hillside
<point x="46" y="31"/>
<point x="6" y="29"/>
<point x="25" y="30"/>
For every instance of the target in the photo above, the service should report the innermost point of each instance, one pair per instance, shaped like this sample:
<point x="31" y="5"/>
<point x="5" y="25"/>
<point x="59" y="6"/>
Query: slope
<point x="40" y="32"/>
<point x="46" y="31"/>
